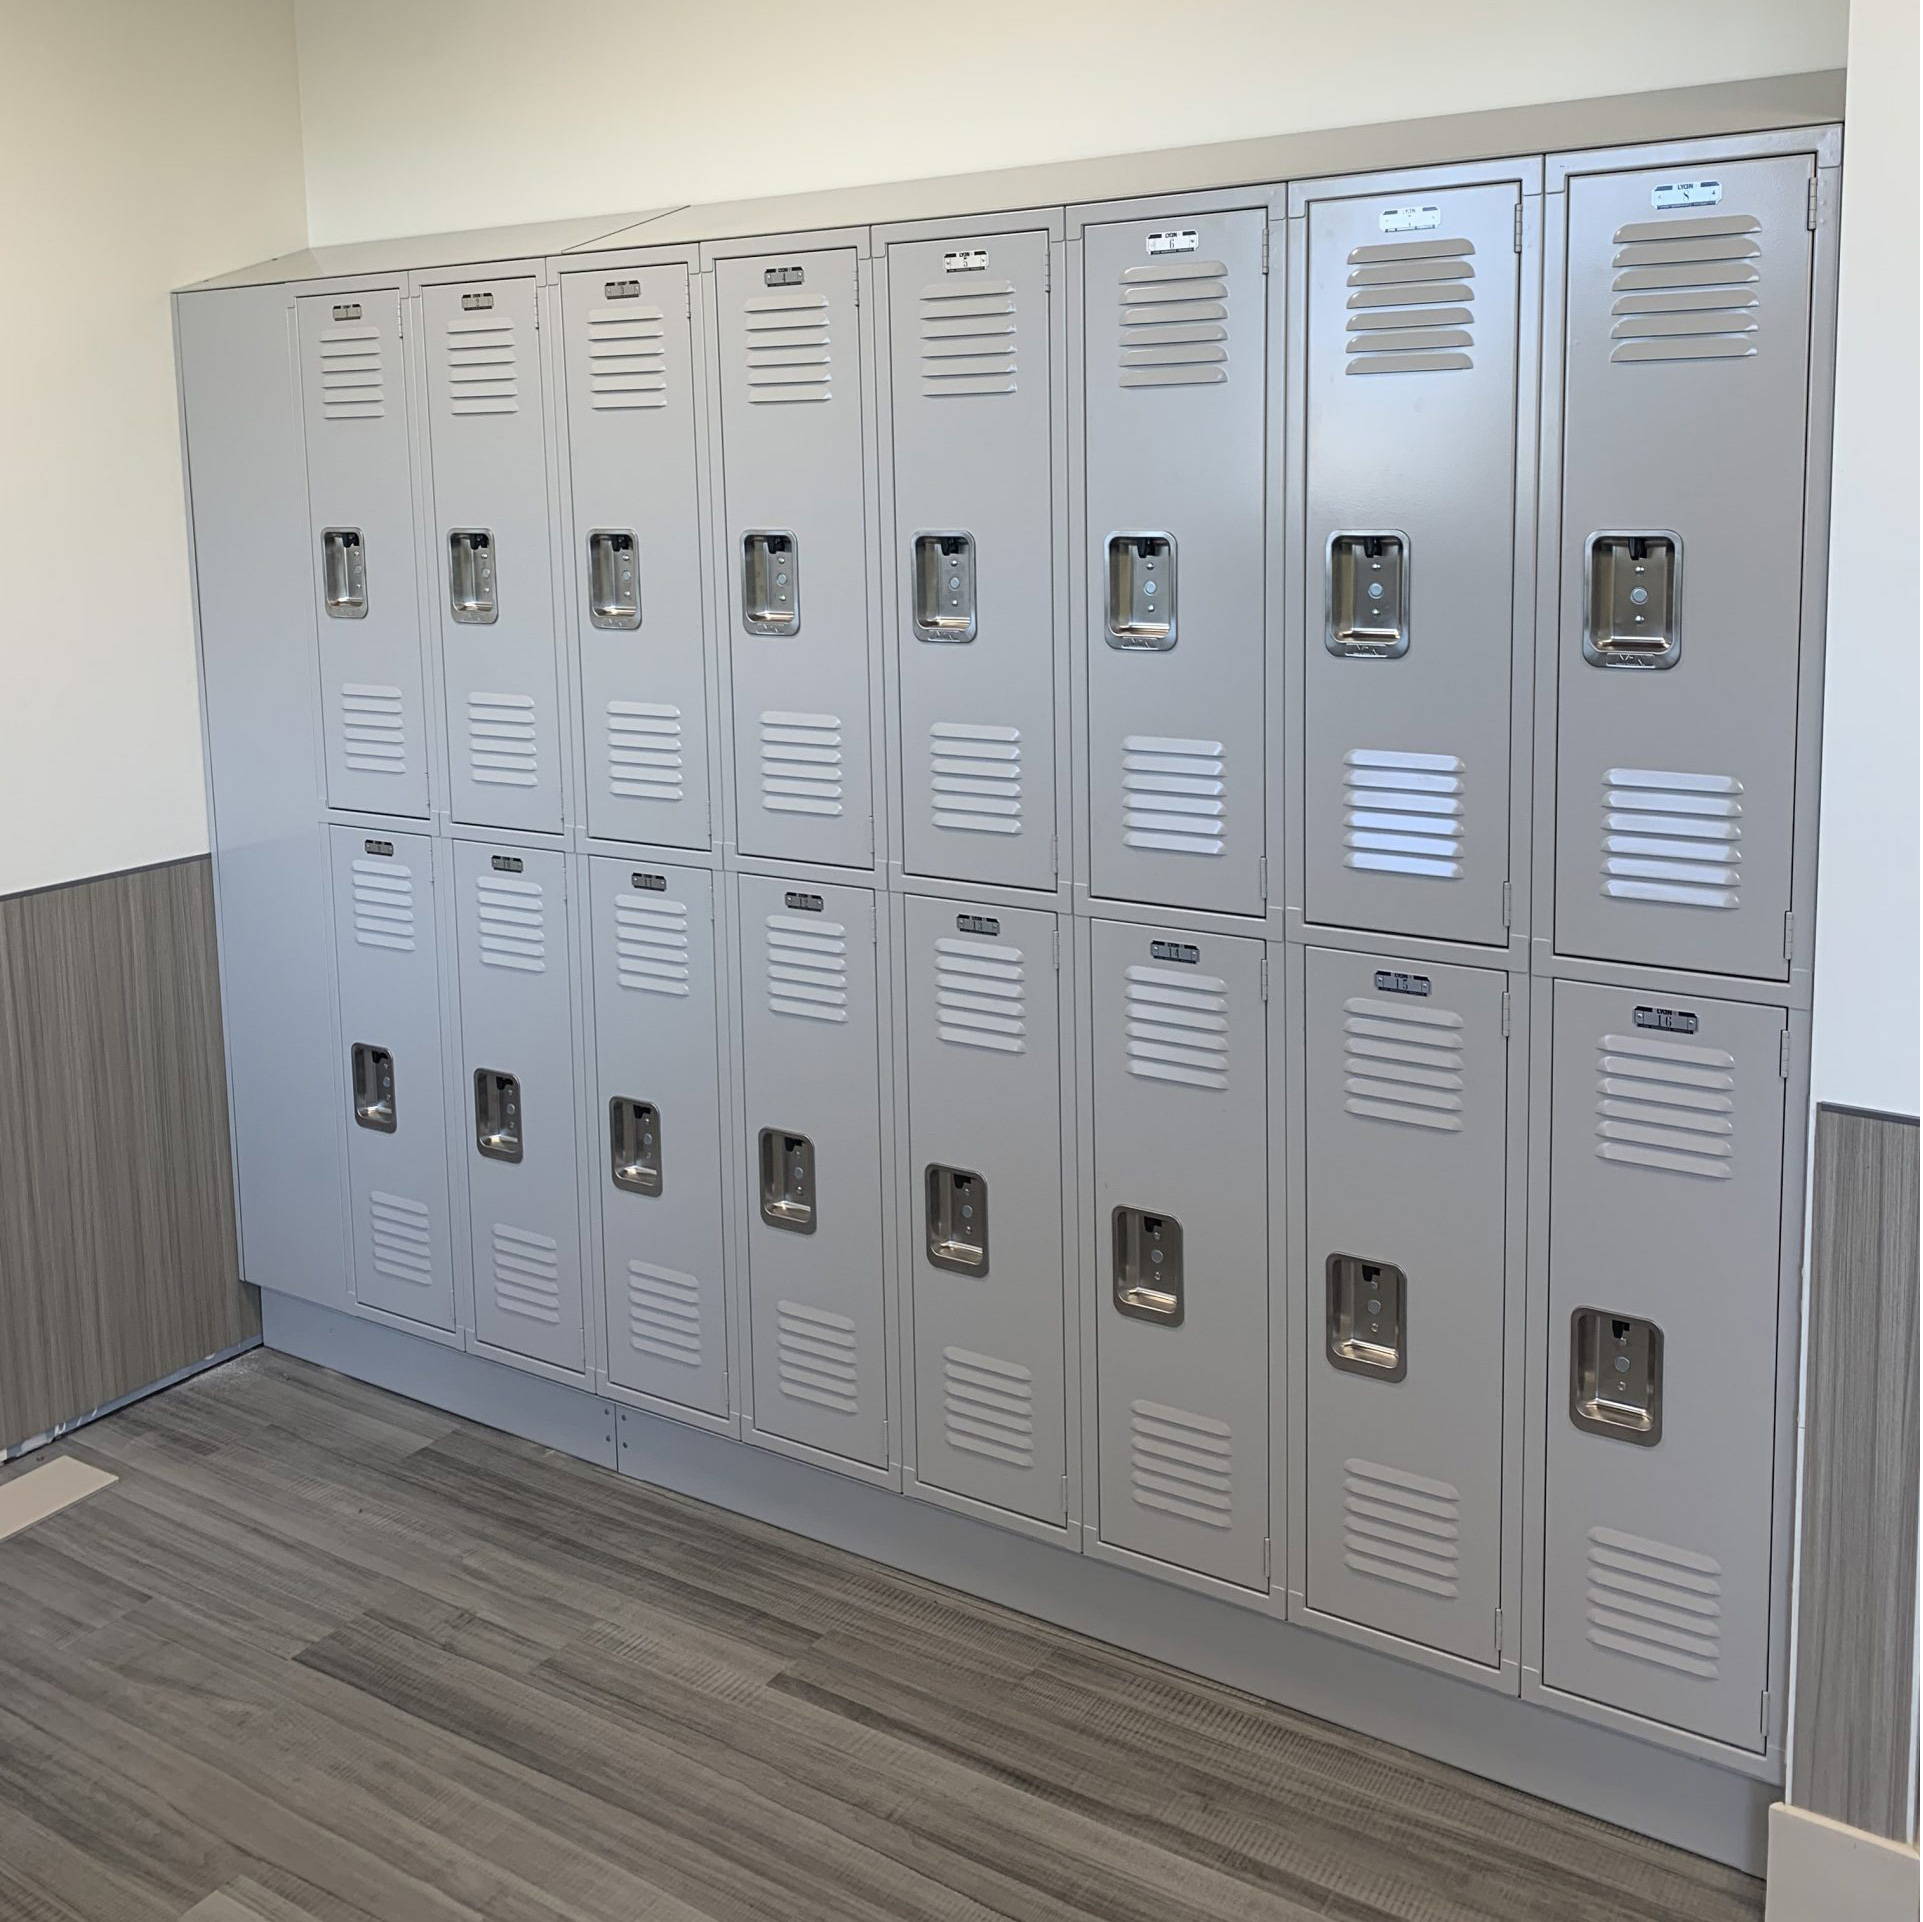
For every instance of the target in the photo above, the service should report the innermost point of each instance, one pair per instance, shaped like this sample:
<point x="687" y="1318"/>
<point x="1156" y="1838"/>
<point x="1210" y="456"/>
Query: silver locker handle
<point x="1616" y="1376"/>
<point x="614" y="579"/>
<point x="1148" y="1267"/>
<point x="344" y="573"/>
<point x="497" y="1115"/>
<point x="1367" y="1317"/>
<point x="634" y="1145"/>
<point x="944" y="573"/>
<point x="770" y="583"/>
<point x="470" y="576"/>
<point x="787" y="1181"/>
<point x="957" y="1220"/>
<point x="1141" y="592"/>
<point x="1366" y="612"/>
<point x="373" y="1085"/>
<point x="1632" y="587"/>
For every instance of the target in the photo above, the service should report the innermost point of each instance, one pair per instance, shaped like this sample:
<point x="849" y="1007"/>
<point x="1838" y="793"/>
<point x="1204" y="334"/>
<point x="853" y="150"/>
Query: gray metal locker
<point x="1175" y="357"/>
<point x="656" y="1111"/>
<point x="971" y="352"/>
<point x="360" y="510"/>
<point x="637" y="534"/>
<point x="517" y="1083"/>
<point x="811" y="1075"/>
<point x="1665" y="1191"/>
<point x="1406" y="1135"/>
<point x="795" y="554"/>
<point x="1413" y="304"/>
<point x="1685" y="408"/>
<point x="1181" y="1248"/>
<point x="392" y="1074"/>
<point x="984" y="1145"/>
<point x="494" y="573"/>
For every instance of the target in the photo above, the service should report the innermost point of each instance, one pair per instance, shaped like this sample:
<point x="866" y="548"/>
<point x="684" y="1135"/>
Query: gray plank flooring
<point x="323" y="1655"/>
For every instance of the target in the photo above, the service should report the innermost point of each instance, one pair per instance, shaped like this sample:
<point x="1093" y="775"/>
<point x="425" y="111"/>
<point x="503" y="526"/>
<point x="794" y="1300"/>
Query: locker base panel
<point x="1692" y="1803"/>
<point x="1062" y="1534"/>
<point x="1505" y="1678"/>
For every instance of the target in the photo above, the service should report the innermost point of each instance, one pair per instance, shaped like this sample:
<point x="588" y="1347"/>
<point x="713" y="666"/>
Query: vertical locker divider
<point x="455" y="1097"/>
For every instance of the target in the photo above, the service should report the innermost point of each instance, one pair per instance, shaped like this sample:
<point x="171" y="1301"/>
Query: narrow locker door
<point x="494" y="576"/>
<point x="518" y="1084"/>
<point x="1409" y="571"/>
<point x="796" y="555"/>
<point x="1181" y="1237"/>
<point x="1406" y="1113"/>
<point x="1665" y="1185"/>
<point x="657" y="1114"/>
<point x="1175" y="389"/>
<point x="974" y="619"/>
<point x="985" y="1175"/>
<point x="811" y="1067"/>
<point x="391" y="1073"/>
<point x="637" y="553"/>
<point x="1686" y="400"/>
<point x="360" y="510"/>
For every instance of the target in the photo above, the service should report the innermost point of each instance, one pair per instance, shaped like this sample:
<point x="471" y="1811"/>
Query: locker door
<point x="492" y="561"/>
<point x="1665" y="1184"/>
<point x="1409" y="579"/>
<point x="517" y="1077"/>
<point x="970" y="345"/>
<point x="796" y="555"/>
<point x="985" y="1173"/>
<point x="1181" y="1182"/>
<point x="1685" y="395"/>
<point x="657" y="1115"/>
<point x="637" y="553"/>
<point x="360" y="509"/>
<point x="811" y="1066"/>
<point x="1406" y="1118"/>
<point x="392" y="1075"/>
<point x="1175" y="385"/>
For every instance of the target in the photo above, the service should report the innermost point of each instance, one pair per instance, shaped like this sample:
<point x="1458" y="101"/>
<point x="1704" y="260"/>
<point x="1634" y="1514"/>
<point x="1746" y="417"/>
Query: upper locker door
<point x="1409" y="560"/>
<point x="1175" y="355"/>
<point x="1685" y="415"/>
<point x="360" y="507"/>
<point x="795" y="554"/>
<point x="495" y="587"/>
<point x="637" y="553"/>
<point x="970" y="348"/>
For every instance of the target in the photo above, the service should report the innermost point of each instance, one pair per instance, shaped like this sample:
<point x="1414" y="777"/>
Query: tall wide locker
<point x="795" y="553"/>
<point x="1665" y="1192"/>
<point x="811" y="1074"/>
<point x="1413" y="305"/>
<point x="1406" y="1119"/>
<point x="657" y="1108"/>
<point x="1181" y="1248"/>
<point x="488" y="445"/>
<point x="360" y="510"/>
<point x="1175" y="438"/>
<point x="628" y="353"/>
<point x="387" y="968"/>
<point x="1685" y="401"/>
<point x="971" y="362"/>
<point x="517" y="1069"/>
<point x="988" y="1234"/>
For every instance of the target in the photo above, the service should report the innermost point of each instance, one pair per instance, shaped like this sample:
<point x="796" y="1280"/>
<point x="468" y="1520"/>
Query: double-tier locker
<point x="816" y="1260"/>
<point x="1406" y="1134"/>
<point x="388" y="974"/>
<point x="360" y="511"/>
<point x="1180" y="1248"/>
<point x="988" y="1228"/>
<point x="636" y="533"/>
<point x="494" y="585"/>
<point x="971" y="371"/>
<point x="1174" y="358"/>
<point x="518" y="1090"/>
<point x="656" y="1112"/>
<point x="795" y="553"/>
<point x="1664" y="1206"/>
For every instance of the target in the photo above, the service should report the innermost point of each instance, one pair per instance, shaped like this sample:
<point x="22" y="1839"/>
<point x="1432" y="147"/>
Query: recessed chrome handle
<point x="1141" y="592"/>
<point x="614" y="579"/>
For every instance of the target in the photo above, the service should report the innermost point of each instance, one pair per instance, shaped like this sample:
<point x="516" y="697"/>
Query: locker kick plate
<point x="1616" y="1376"/>
<point x="634" y="1140"/>
<point x="1366" y="1318"/>
<point x="497" y="1114"/>
<point x="1368" y="596"/>
<point x="1141" y="592"/>
<point x="1148" y="1266"/>
<point x="787" y="1181"/>
<point x="957" y="1220"/>
<point x="770" y="584"/>
<point x="614" y="581"/>
<point x="1630" y="592"/>
<point x="470" y="576"/>
<point x="343" y="573"/>
<point x="373" y="1072"/>
<point x="945" y="588"/>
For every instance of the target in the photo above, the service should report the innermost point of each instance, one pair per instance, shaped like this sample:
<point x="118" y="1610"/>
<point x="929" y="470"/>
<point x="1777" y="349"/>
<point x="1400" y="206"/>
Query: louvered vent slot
<point x="968" y="338"/>
<point x="1403" y="812"/>
<point x="980" y="999"/>
<point x="627" y="358"/>
<point x="1666" y="1104"/>
<point x="1687" y="289"/>
<point x="400" y="1235"/>
<point x="975" y="777"/>
<point x="1412" y="307"/>
<point x="384" y="905"/>
<point x="801" y="763"/>
<point x="352" y="379"/>
<point x="502" y="741"/>
<point x="988" y="1407"/>
<point x="1672" y="838"/>
<point x="1181" y="1464"/>
<point x="664" y="1314"/>
<point x="1174" y="328"/>
<point x="1178" y="1026"/>
<point x="645" y="752"/>
<point x="1400" y="1527"/>
<point x="1402" y="1063"/>
<point x="512" y="920"/>
<point x="790" y="355"/>
<point x="651" y="943"/>
<point x="808" y="967"/>
<point x="1174" y="799"/>
<point x="816" y="1357"/>
<point x="483" y="367"/>
<point x="373" y="728"/>
<point x="527" y="1274"/>
<point x="1655" y="1603"/>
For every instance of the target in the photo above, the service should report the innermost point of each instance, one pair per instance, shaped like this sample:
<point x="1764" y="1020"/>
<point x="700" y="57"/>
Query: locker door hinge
<point x="1505" y="904"/>
<point x="1055" y="943"/>
<point x="1763" y="1710"/>
<point x="1782" y="1054"/>
<point x="1518" y="226"/>
<point x="1265" y="977"/>
<point x="1265" y="246"/>
<point x="1814" y="213"/>
<point x="1498" y="1631"/>
<point x="1789" y="935"/>
<point x="1262" y="878"/>
<point x="1268" y="1573"/>
<point x="1505" y="1014"/>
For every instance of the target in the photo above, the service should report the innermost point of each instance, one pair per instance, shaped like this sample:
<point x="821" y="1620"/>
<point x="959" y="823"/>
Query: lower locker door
<point x="1181" y="1269"/>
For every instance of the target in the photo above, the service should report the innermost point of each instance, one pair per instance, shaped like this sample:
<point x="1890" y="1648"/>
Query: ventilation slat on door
<point x="1665" y="1104"/>
<point x="1173" y="326"/>
<point x="975" y="777"/>
<point x="373" y="728"/>
<point x="664" y="1314"/>
<point x="351" y="374"/>
<point x="1654" y="1603"/>
<point x="1182" y="1464"/>
<point x="502" y="740"/>
<point x="483" y="367"/>
<point x="1672" y="838"/>
<point x="817" y="1357"/>
<point x="1687" y="289"/>
<point x="384" y="904"/>
<point x="807" y="961"/>
<point x="1174" y="795"/>
<point x="511" y="916"/>
<point x="1177" y="1026"/>
<point x="646" y="756"/>
<point x="968" y="338"/>
<point x="790" y="351"/>
<point x="1403" y="812"/>
<point x="627" y="358"/>
<point x="988" y="1407"/>
<point x="400" y="1236"/>
<point x="980" y="995"/>
<point x="1401" y="1527"/>
<point x="526" y="1274"/>
<point x="1412" y="307"/>
<point x="1403" y="1063"/>
<point x="651" y="944"/>
<point x="801" y="763"/>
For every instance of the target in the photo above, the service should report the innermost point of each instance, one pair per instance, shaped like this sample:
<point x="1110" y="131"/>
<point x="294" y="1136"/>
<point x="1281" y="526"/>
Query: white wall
<point x="141" y="145"/>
